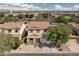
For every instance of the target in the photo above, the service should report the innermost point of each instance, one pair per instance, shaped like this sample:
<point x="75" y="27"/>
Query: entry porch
<point x="31" y="39"/>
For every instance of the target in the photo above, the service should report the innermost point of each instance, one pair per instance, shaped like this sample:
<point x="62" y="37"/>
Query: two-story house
<point x="11" y="28"/>
<point x="34" y="31"/>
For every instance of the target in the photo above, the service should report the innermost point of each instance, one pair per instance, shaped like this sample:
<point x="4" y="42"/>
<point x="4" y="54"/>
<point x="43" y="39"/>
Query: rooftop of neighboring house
<point x="74" y="25"/>
<point x="34" y="36"/>
<point x="38" y="25"/>
<point x="11" y="25"/>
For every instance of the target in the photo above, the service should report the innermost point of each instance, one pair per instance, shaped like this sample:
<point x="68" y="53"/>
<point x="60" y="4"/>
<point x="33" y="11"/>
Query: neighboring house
<point x="74" y="27"/>
<point x="11" y="28"/>
<point x="75" y="35"/>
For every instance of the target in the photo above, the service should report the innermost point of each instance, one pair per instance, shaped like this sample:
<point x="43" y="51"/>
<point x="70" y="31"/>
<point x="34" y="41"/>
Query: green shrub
<point x="17" y="43"/>
<point x="63" y="19"/>
<point x="73" y="19"/>
<point x="7" y="42"/>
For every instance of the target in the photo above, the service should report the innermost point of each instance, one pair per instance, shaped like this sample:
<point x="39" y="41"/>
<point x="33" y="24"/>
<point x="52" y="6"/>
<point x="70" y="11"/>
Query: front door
<point x="31" y="40"/>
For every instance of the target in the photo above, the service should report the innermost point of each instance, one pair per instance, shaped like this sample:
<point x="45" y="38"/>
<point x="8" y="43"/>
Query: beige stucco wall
<point x="6" y="31"/>
<point x="35" y="32"/>
<point x="12" y="31"/>
<point x="0" y="30"/>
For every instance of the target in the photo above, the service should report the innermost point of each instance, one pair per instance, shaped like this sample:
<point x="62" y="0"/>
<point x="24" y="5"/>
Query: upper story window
<point x="9" y="30"/>
<point x="31" y="30"/>
<point x="45" y="30"/>
<point x="38" y="30"/>
<point x="16" y="30"/>
<point x="2" y="30"/>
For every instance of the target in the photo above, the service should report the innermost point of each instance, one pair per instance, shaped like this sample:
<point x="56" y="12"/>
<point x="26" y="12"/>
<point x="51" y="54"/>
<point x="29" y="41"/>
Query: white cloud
<point x="59" y="7"/>
<point x="21" y="6"/>
<point x="31" y="7"/>
<point x="76" y="7"/>
<point x="11" y="7"/>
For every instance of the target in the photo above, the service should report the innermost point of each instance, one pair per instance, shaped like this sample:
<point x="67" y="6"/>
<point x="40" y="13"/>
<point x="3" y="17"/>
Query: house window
<point x="31" y="30"/>
<point x="16" y="30"/>
<point x="9" y="30"/>
<point x="38" y="30"/>
<point x="2" y="30"/>
<point x="45" y="30"/>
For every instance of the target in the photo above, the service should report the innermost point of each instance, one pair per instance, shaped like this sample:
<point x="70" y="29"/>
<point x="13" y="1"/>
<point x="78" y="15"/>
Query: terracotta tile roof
<point x="31" y="25"/>
<point x="73" y="37"/>
<point x="38" y="25"/>
<point x="11" y="25"/>
<point x="74" y="25"/>
<point x="34" y="36"/>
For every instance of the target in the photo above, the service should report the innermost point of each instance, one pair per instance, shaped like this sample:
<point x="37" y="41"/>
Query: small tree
<point x="7" y="42"/>
<point x="46" y="15"/>
<point x="10" y="15"/>
<point x="1" y="20"/>
<point x="62" y="19"/>
<point x="59" y="34"/>
<point x="31" y="15"/>
<point x="7" y="19"/>
<point x="27" y="15"/>
<point x="17" y="42"/>
<point x="1" y="14"/>
<point x="72" y="15"/>
<point x="73" y="19"/>
<point x="20" y="16"/>
<point x="40" y="18"/>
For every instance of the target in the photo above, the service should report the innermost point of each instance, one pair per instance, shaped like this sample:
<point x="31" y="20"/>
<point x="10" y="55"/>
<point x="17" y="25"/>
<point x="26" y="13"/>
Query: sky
<point x="40" y="6"/>
<point x="57" y="6"/>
